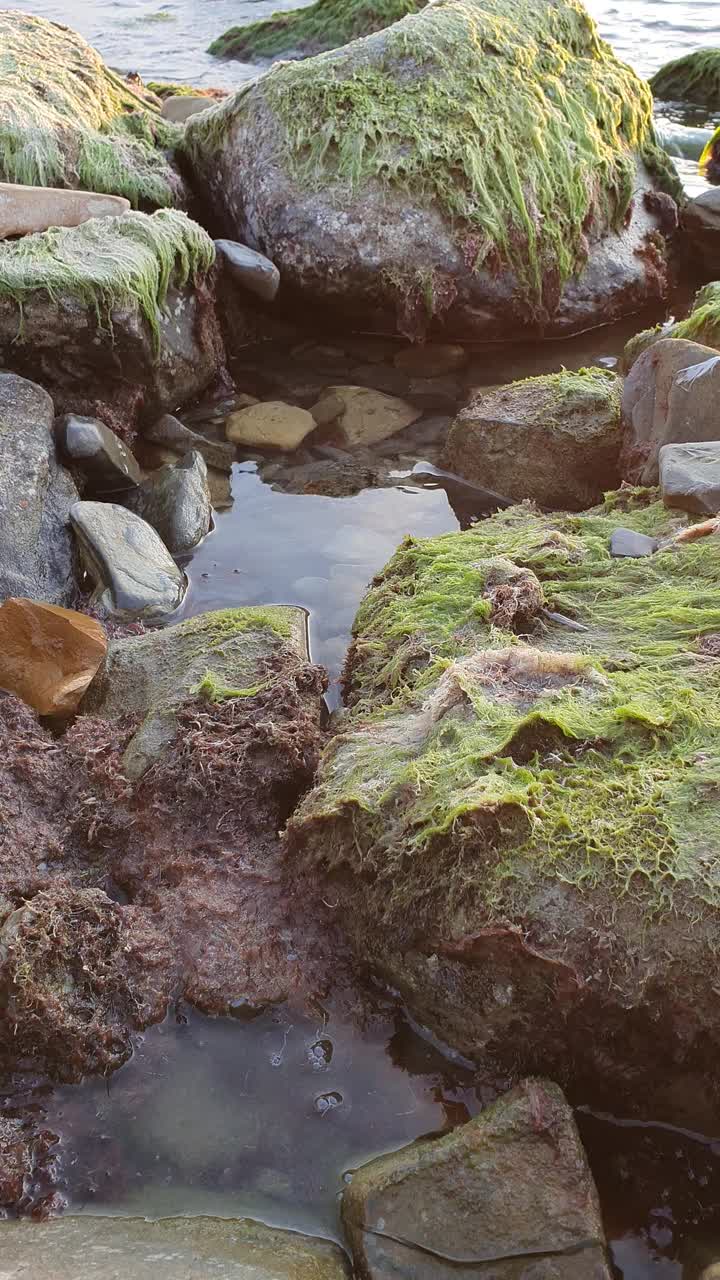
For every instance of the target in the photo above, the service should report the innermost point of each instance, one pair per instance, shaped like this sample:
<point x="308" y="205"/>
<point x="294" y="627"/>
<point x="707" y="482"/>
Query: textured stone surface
<point x="106" y="464"/>
<point x="670" y="397"/>
<point x="251" y="270"/>
<point x="507" y="1196"/>
<point x="135" y="576"/>
<point x="366" y="415"/>
<point x="24" y="210"/>
<point x="48" y="655"/>
<point x="176" y="502"/>
<point x="270" y="425"/>
<point x="36" y="548"/>
<point x="554" y="439"/>
<point x="93" y="1248"/>
<point x="701" y="223"/>
<point x="690" y="476"/>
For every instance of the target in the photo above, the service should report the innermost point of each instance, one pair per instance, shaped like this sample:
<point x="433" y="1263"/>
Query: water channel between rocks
<point x="268" y="1117"/>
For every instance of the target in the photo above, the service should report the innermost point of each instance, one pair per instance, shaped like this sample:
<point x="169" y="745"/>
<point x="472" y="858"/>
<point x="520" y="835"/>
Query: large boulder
<point x="693" y="78"/>
<point x="507" y="1196"/>
<point x="432" y="174"/>
<point x="116" y="316"/>
<point x="67" y="120"/>
<point x="312" y="29"/>
<point x="555" y="439"/>
<point x="36" y="494"/>
<point x="669" y="397"/>
<point x="517" y="818"/>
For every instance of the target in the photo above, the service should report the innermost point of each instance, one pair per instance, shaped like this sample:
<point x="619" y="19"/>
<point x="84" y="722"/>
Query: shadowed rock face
<point x="367" y="176"/>
<point x="116" y="893"/>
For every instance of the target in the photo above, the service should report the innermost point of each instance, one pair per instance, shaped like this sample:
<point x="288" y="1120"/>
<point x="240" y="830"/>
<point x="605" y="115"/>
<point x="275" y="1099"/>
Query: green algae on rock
<point x="67" y="120"/>
<point x="701" y="325"/>
<point x="693" y="78"/>
<point x="517" y="818"/>
<point x="118" y="311"/>
<point x="466" y="163"/>
<point x="323" y="25"/>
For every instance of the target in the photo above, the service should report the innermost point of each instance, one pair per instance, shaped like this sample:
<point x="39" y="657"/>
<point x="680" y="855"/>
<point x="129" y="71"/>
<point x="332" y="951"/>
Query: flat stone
<point x="270" y="425"/>
<point x="176" y="502"/>
<point x="670" y="396"/>
<point x="626" y="542"/>
<point x="173" y="434"/>
<point x="367" y="415"/>
<point x="36" y="493"/>
<point x="181" y="106"/>
<point x="107" y="464"/>
<point x="48" y="655"/>
<point x="24" y="210"/>
<point x="508" y="1196"/>
<point x="690" y="476"/>
<point x="431" y="360"/>
<point x="252" y="270"/>
<point x="94" y="1248"/>
<point x="151" y="676"/>
<point x="135" y="575"/>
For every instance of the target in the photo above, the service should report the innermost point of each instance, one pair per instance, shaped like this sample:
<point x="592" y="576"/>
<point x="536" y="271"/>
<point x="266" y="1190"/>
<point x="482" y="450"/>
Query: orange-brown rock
<point x="48" y="655"/>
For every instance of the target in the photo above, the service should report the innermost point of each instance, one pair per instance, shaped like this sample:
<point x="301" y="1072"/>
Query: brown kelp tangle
<point x="120" y="893"/>
<point x="517" y="817"/>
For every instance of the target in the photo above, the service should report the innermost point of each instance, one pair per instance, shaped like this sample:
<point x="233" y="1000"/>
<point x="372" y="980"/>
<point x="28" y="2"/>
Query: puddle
<point x="269" y="1118"/>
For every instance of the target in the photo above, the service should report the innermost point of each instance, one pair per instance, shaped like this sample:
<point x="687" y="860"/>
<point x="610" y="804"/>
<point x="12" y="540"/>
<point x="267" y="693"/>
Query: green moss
<point x="215" y="691"/>
<point x="478" y="763"/>
<point x="222" y="624"/>
<point x="692" y="78"/>
<point x="323" y="25"/>
<point x="168" y="89"/>
<point x="66" y="120"/>
<point x="511" y="116"/>
<point x="107" y="263"/>
<point x="702" y="325"/>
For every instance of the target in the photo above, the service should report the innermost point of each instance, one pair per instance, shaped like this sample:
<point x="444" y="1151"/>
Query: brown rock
<point x="508" y="1196"/>
<point x="271" y="425"/>
<point x="48" y="655"/>
<point x="670" y="397"/>
<point x="181" y="106"/>
<point x="367" y="415"/>
<point x="431" y="360"/>
<point x="24" y="210"/>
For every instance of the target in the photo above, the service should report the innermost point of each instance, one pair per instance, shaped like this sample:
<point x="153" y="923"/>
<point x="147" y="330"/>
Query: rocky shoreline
<point x="509" y="824"/>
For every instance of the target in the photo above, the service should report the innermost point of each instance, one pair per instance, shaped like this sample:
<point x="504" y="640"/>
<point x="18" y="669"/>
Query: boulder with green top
<point x="67" y="120"/>
<point x="693" y="78"/>
<point x="118" y="314"/>
<point x="554" y="439"/>
<point x="670" y="396"/>
<point x="702" y="326"/>
<point x="326" y="24"/>
<point x="430" y="176"/>
<point x="518" y="815"/>
<point x="507" y="1196"/>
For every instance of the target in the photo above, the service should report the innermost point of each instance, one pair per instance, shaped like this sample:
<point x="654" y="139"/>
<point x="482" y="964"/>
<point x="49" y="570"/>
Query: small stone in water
<point x="327" y="1102"/>
<point x="320" y="1054"/>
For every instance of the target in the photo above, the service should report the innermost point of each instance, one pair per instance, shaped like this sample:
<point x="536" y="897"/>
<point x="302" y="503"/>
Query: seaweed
<point x="693" y="78"/>
<point x="323" y="25"/>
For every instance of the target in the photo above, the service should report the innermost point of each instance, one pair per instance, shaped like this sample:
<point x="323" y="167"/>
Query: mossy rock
<point x="517" y="819"/>
<point x="323" y="25"/>
<point x="119" y="311"/>
<point x="219" y="655"/>
<point x="479" y="166"/>
<point x="693" y="78"/>
<point x="701" y="325"/>
<point x="67" y="120"/>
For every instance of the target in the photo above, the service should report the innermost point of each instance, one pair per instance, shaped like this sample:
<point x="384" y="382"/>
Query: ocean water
<point x="168" y="39"/>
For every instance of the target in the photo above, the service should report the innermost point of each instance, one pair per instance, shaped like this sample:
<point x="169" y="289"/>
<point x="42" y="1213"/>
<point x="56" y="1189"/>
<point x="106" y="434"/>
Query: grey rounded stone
<point x="176" y="502"/>
<point x="107" y="464"/>
<point x="252" y="270"/>
<point x="134" y="573"/>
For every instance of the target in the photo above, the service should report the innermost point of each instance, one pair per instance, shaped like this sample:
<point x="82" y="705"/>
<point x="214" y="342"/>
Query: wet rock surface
<point x="690" y="476"/>
<point x="249" y="269"/>
<point x="93" y="1248"/>
<point x="508" y="1196"/>
<point x="701" y="224"/>
<point x="133" y="573"/>
<point x="104" y="461"/>
<point x="48" y="655"/>
<point x="24" y="210"/>
<point x="553" y="439"/>
<point x="36" y="493"/>
<point x="669" y="397"/>
<point x="170" y="433"/>
<point x="271" y="425"/>
<point x="363" y="416"/>
<point x="176" y="501"/>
